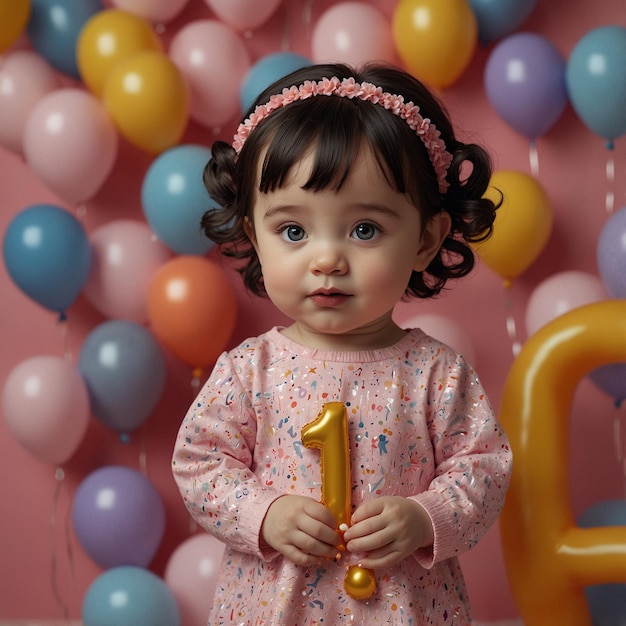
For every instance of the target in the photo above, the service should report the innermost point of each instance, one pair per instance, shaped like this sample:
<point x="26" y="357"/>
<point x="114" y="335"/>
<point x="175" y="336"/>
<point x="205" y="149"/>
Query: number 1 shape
<point x="329" y="433"/>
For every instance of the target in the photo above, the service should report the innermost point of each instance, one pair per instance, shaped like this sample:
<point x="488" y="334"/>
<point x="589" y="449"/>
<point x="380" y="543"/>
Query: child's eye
<point x="293" y="233"/>
<point x="365" y="231"/>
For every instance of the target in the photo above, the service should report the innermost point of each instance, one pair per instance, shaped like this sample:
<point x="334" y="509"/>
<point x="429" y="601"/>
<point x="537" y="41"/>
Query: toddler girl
<point x="342" y="193"/>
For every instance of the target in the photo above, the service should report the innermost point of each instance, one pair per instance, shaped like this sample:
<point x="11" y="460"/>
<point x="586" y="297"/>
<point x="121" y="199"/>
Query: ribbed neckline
<point x="345" y="356"/>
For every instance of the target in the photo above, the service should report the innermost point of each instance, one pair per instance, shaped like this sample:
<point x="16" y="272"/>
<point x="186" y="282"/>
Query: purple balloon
<point x="118" y="517"/>
<point x="611" y="254"/>
<point x="612" y="380"/>
<point x="525" y="83"/>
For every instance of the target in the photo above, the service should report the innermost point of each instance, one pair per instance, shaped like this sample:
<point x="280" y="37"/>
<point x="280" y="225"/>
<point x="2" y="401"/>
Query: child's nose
<point x="329" y="258"/>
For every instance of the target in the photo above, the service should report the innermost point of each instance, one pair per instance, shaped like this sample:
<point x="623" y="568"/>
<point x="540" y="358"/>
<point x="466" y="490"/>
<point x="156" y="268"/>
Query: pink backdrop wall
<point x="43" y="570"/>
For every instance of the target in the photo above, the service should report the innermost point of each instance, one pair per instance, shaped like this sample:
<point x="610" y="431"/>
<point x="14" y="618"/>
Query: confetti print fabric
<point x="420" y="426"/>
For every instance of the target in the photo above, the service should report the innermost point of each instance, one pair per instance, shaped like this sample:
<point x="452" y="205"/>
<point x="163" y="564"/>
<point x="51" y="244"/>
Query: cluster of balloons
<point x="529" y="82"/>
<point x="151" y="298"/>
<point x="127" y="595"/>
<point x="119" y="519"/>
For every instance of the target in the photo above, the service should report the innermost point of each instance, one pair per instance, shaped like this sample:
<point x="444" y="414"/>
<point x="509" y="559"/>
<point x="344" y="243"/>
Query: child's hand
<point x="302" y="529"/>
<point x="387" y="530"/>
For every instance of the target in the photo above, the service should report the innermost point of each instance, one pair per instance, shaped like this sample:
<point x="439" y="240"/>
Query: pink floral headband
<point x="349" y="88"/>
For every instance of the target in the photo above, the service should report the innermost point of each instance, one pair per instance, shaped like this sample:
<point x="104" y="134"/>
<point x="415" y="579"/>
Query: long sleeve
<point x="213" y="462"/>
<point x="472" y="463"/>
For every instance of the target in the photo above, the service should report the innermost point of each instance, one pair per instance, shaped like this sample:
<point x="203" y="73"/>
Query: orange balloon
<point x="146" y="96"/>
<point x="14" y="16"/>
<point x="106" y="39"/>
<point x="192" y="309"/>
<point x="435" y="39"/>
<point x="523" y="224"/>
<point x="549" y="558"/>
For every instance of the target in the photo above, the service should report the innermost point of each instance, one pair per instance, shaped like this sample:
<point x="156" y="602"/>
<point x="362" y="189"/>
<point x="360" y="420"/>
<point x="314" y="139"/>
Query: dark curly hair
<point x="335" y="128"/>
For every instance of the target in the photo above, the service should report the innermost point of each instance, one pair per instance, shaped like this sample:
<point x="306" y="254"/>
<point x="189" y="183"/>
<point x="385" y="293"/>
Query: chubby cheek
<point x="388" y="276"/>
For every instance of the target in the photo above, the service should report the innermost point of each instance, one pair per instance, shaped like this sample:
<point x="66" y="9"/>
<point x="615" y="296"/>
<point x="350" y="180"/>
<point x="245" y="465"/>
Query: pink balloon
<point x="446" y="330"/>
<point x="191" y="575"/>
<point x="353" y="33"/>
<point x="71" y="143"/>
<point x="25" y="78"/>
<point x="125" y="255"/>
<point x="214" y="60"/>
<point x="156" y="11"/>
<point x="46" y="406"/>
<point x="559" y="294"/>
<point x="243" y="14"/>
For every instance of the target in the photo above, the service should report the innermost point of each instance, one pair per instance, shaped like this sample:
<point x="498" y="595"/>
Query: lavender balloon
<point x="611" y="254"/>
<point x="525" y="83"/>
<point x="118" y="517"/>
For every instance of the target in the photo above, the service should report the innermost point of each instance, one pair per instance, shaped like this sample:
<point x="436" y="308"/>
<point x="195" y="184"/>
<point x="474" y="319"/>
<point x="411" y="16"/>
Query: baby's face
<point x="337" y="261"/>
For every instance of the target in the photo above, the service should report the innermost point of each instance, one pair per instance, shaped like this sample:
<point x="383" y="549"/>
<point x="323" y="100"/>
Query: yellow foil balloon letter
<point x="548" y="557"/>
<point x="329" y="433"/>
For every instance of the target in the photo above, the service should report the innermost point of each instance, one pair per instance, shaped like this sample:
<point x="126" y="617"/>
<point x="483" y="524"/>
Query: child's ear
<point x="433" y="235"/>
<point x="248" y="228"/>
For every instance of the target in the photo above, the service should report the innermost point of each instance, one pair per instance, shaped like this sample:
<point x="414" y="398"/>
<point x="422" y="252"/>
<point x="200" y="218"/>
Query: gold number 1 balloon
<point x="329" y="433"/>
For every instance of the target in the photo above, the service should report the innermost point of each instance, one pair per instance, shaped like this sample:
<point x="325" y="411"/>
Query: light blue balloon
<point x="266" y="71"/>
<point x="54" y="27"/>
<point x="174" y="198"/>
<point x="48" y="255"/>
<point x="129" y="596"/>
<point x="607" y="603"/>
<point x="596" y="81"/>
<point x="124" y="369"/>
<point x="498" y="18"/>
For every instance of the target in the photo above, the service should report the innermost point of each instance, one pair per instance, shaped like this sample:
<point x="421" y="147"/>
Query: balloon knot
<point x="62" y="316"/>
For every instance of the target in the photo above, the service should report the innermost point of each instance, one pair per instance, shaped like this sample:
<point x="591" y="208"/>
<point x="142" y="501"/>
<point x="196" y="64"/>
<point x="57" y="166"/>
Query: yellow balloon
<point x="522" y="227"/>
<point x="435" y="39"/>
<point x="549" y="558"/>
<point x="107" y="38"/>
<point x="147" y="98"/>
<point x="14" y="16"/>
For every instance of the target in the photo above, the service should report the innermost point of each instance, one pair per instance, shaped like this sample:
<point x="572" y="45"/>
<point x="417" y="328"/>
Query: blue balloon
<point x="174" y="198"/>
<point x="596" y="81"/>
<point x="48" y="255"/>
<point x="124" y="369"/>
<point x="607" y="603"/>
<point x="266" y="71"/>
<point x="54" y="27"/>
<point x="129" y="596"/>
<point x="525" y="83"/>
<point x="498" y="18"/>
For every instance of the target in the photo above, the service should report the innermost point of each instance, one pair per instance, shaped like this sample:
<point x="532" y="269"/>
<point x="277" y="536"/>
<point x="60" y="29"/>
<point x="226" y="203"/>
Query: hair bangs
<point x="326" y="127"/>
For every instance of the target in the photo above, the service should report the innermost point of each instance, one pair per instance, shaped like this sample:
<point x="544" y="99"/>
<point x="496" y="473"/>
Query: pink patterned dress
<point x="419" y="426"/>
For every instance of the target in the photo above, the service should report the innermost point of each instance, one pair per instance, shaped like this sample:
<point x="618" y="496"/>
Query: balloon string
<point x="610" y="179"/>
<point x="285" y="39"/>
<point x="143" y="453"/>
<point x="65" y="337"/>
<point x="307" y="12"/>
<point x="511" y="326"/>
<point x="59" y="475"/>
<point x="533" y="157"/>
